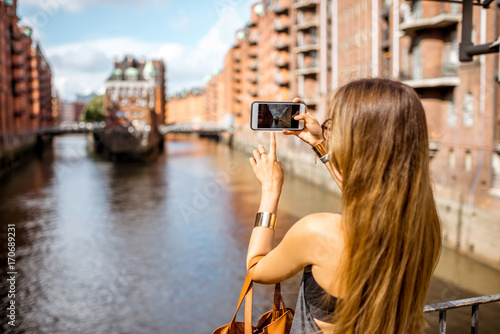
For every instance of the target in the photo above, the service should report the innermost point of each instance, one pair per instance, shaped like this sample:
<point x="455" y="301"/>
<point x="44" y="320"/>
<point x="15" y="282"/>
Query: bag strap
<point x="247" y="290"/>
<point x="278" y="301"/>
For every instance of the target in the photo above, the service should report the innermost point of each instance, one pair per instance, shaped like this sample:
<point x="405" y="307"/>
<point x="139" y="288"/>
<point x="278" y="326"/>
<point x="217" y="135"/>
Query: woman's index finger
<point x="272" y="146"/>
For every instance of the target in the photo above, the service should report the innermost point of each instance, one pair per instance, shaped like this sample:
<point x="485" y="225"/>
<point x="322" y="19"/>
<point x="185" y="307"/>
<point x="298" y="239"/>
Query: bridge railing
<point x="473" y="302"/>
<point x="70" y="127"/>
<point x="192" y="127"/>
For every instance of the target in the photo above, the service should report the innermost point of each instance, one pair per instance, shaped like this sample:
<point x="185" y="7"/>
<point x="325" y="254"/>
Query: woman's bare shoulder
<point x="321" y="235"/>
<point x="320" y="222"/>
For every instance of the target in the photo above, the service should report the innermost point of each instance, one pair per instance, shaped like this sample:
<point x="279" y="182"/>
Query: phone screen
<point x="276" y="116"/>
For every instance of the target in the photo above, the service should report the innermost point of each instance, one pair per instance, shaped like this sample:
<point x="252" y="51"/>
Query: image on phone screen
<point x="277" y="116"/>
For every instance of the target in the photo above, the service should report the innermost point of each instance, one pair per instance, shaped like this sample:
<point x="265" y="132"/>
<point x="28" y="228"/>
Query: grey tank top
<point x="303" y="322"/>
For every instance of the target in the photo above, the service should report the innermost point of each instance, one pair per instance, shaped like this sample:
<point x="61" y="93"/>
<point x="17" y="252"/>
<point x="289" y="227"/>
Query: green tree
<point x="94" y="110"/>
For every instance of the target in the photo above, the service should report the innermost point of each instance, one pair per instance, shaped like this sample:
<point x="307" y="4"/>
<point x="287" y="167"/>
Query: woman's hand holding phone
<point x="312" y="133"/>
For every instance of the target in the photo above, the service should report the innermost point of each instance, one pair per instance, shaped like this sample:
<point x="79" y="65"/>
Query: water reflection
<point x="134" y="248"/>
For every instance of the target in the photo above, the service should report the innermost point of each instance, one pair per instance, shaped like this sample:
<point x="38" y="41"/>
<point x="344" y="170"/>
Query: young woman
<point x="368" y="269"/>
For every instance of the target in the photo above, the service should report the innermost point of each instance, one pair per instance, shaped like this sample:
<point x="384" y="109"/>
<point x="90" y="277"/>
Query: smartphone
<point x="276" y="116"/>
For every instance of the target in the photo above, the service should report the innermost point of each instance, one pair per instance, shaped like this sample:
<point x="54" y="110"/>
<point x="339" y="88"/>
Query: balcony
<point x="307" y="24"/>
<point x="17" y="36"/>
<point x="281" y="62"/>
<point x="308" y="46"/>
<point x="254" y="39"/>
<point x="19" y="112"/>
<point x="311" y="101"/>
<point x="304" y="4"/>
<point x="17" y="48"/>
<point x="441" y="82"/>
<point x="282" y="79"/>
<point x="253" y="65"/>
<point x="448" y="78"/>
<point x="312" y="68"/>
<point x="252" y="53"/>
<point x="253" y="78"/>
<point x="20" y="88"/>
<point x="412" y="25"/>
<point x="281" y="43"/>
<point x="18" y="75"/>
<point x="278" y="8"/>
<point x="280" y="25"/>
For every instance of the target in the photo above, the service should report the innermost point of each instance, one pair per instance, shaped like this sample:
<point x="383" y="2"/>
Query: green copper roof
<point x="131" y="73"/>
<point x="27" y="31"/>
<point x="259" y="9"/>
<point x="149" y="70"/>
<point x="118" y="72"/>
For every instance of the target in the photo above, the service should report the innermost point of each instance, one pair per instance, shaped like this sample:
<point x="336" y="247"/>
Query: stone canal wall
<point x="17" y="149"/>
<point x="471" y="230"/>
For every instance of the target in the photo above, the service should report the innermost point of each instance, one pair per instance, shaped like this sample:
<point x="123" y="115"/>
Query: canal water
<point x="160" y="248"/>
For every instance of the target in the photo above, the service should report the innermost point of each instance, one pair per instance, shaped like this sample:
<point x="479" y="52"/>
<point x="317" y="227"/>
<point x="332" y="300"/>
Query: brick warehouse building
<point x="192" y="104"/>
<point x="25" y="88"/>
<point x="307" y="48"/>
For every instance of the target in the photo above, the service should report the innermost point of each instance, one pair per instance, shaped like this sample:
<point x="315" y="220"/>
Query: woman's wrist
<point x="321" y="152"/>
<point x="316" y="142"/>
<point x="269" y="201"/>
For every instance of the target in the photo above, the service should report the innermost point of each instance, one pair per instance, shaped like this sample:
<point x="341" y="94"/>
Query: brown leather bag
<point x="277" y="321"/>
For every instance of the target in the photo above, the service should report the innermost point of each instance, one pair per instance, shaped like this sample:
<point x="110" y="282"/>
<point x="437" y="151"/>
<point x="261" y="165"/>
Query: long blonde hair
<point x="379" y="145"/>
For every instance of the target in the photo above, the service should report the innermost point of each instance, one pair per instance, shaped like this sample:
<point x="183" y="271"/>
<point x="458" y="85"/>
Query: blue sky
<point x="80" y="38"/>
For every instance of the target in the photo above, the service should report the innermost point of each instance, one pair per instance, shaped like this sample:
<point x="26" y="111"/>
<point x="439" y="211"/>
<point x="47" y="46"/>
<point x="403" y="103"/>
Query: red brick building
<point x="188" y="106"/>
<point x="25" y="87"/>
<point x="136" y="88"/>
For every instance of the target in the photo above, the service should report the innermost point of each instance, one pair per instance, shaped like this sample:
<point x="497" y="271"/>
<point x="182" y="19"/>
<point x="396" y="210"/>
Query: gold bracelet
<point x="321" y="151"/>
<point x="265" y="219"/>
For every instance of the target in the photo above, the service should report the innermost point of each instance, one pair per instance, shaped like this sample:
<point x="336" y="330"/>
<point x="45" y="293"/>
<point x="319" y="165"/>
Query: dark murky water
<point x="158" y="248"/>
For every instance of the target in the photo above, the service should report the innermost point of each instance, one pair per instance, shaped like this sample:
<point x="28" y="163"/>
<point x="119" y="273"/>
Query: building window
<point x="468" y="106"/>
<point x="416" y="59"/>
<point x="450" y="56"/>
<point x="404" y="61"/>
<point x="451" y="113"/>
<point x="468" y="161"/>
<point x="455" y="8"/>
<point x="314" y="59"/>
<point x="416" y="8"/>
<point x="454" y="47"/>
<point x="495" y="164"/>
<point x="451" y="158"/>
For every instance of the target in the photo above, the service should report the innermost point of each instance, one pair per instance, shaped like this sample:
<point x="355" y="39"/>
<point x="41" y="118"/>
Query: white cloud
<point x="83" y="67"/>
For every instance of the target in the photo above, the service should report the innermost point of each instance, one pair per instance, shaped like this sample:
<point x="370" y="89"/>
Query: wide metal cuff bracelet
<point x="265" y="219"/>
<point x="324" y="159"/>
<point x="321" y="152"/>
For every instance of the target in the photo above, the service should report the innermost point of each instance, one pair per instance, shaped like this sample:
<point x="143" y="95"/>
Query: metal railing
<point x="473" y="302"/>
